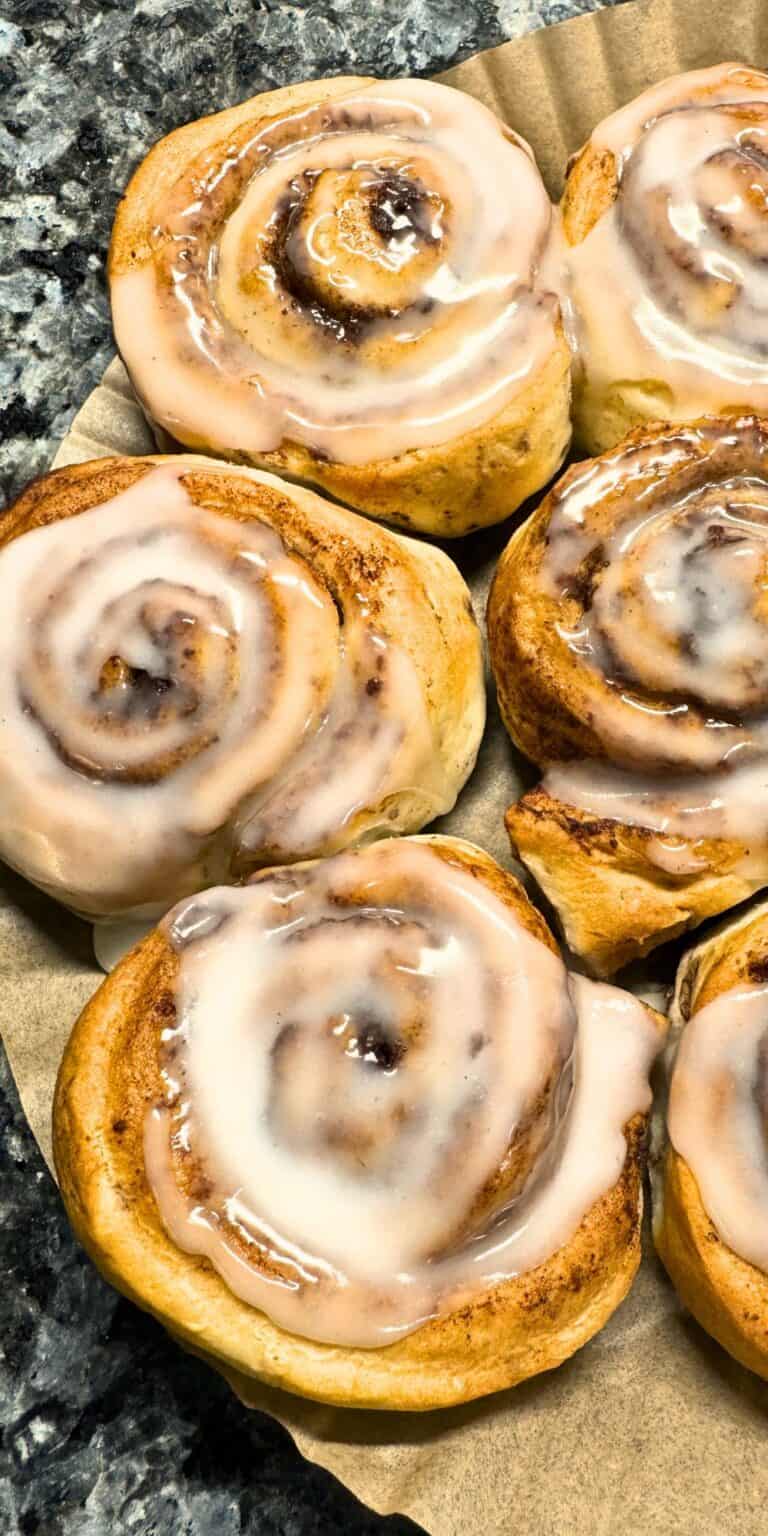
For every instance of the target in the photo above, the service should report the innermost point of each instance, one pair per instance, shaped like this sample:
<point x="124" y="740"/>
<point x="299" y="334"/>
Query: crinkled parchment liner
<point x="651" y="1427"/>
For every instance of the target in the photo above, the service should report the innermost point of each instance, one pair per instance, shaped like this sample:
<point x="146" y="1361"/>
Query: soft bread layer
<point x="108" y="1079"/>
<point x="474" y="480"/>
<point x="726" y="1295"/>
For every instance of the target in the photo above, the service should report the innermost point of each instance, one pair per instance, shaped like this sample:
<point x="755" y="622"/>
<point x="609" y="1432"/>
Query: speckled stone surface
<point x="106" y="1425"/>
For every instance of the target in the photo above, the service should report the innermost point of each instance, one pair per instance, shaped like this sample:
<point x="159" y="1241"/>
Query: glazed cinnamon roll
<point x="711" y="1200"/>
<point x="204" y="670"/>
<point x="665" y="213"/>
<point x="627" y="627"/>
<point x="354" y="1130"/>
<point x="350" y="282"/>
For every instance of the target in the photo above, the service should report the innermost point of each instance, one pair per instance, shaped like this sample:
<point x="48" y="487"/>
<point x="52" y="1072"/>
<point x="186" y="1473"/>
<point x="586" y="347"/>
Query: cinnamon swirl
<point x="204" y="670"/>
<point x="627" y="627"/>
<point x="348" y="282"/>
<point x="711" y="1202"/>
<point x="665" y="212"/>
<point x="354" y="1130"/>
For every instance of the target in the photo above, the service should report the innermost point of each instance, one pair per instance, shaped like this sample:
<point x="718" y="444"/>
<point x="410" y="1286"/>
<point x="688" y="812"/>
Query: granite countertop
<point x="106" y="1424"/>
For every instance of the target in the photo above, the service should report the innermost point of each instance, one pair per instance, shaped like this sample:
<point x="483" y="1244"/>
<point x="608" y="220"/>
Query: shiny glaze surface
<point x="718" y="1116"/>
<point x="670" y="284"/>
<point x="179" y="699"/>
<point x="345" y="276"/>
<point x="383" y="1095"/>
<point x="663" y="548"/>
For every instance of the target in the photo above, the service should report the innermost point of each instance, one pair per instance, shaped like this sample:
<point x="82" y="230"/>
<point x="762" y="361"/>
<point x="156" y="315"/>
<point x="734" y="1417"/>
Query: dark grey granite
<point x="106" y="1425"/>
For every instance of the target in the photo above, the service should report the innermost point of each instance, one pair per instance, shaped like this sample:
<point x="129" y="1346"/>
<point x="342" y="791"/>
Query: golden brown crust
<point x="414" y="593"/>
<point x="726" y="1295"/>
<point x="448" y="490"/>
<point x="108" y="1079"/>
<point x="471" y="482"/>
<point x="734" y="955"/>
<point x="614" y="902"/>
<point x="591" y="187"/>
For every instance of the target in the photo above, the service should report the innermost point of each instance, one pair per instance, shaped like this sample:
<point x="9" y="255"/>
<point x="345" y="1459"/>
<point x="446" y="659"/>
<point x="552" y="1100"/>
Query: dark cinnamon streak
<point x="344" y="321"/>
<point x="397" y="206"/>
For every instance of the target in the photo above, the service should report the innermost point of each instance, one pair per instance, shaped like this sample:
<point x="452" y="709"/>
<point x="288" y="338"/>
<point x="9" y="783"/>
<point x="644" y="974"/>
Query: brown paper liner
<point x="651" y="1428"/>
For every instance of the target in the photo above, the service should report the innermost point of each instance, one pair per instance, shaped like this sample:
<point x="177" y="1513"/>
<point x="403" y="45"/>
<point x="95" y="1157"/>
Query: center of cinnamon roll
<point x="684" y="613"/>
<point x="370" y="1040"/>
<point x="173" y="659"/>
<point x="126" y="691"/>
<point x="356" y="245"/>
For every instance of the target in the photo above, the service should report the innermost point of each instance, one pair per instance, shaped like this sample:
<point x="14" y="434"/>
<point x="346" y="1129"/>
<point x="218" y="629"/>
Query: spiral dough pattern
<point x="360" y="1144"/>
<point x="669" y="285"/>
<point x="344" y="275"/>
<point x="645" y="601"/>
<point x="183" y="697"/>
<point x="718" y="1116"/>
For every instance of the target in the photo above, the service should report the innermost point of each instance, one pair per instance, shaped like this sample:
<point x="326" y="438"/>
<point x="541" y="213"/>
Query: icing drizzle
<point x="718" y="1116"/>
<point x="659" y="551"/>
<point x="346" y="276"/>
<point x="382" y="1095"/>
<point x="180" y="701"/>
<point x="670" y="288"/>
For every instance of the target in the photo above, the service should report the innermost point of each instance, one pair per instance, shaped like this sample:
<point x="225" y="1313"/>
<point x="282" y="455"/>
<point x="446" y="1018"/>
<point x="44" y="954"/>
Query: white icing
<point x="671" y="284"/>
<point x="111" y="941"/>
<point x="717" y="1116"/>
<point x="369" y="1185"/>
<point x="252" y="322"/>
<point x="254" y="735"/>
<point x="674" y="857"/>
<point x="673" y="633"/>
<point x="694" y="806"/>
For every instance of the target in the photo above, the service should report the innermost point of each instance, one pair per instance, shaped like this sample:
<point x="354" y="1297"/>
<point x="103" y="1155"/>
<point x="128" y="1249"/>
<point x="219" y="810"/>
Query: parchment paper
<point x="651" y="1428"/>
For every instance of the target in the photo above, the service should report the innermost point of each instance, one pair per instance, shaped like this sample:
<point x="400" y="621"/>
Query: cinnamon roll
<point x="665" y="214"/>
<point x="711" y="1200"/>
<point x="204" y="670"/>
<point x="349" y="282"/>
<point x="627" y="626"/>
<point x="353" y="1129"/>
